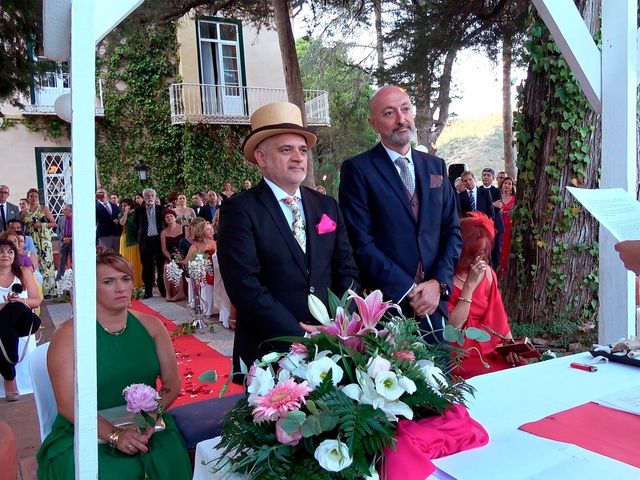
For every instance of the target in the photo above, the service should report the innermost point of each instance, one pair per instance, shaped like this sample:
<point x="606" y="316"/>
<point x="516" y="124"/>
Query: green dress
<point x="122" y="360"/>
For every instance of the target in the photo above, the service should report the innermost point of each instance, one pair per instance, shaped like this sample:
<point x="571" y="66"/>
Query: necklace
<point x="120" y="332"/>
<point x="463" y="280"/>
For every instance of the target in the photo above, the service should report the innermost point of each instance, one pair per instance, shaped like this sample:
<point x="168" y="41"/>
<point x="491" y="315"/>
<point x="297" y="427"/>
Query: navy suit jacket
<point x="105" y="226"/>
<point x="484" y="204"/>
<point x="266" y="273"/>
<point x="388" y="242"/>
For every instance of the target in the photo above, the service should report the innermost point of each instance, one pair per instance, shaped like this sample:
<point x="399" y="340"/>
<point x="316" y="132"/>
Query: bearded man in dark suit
<point x="148" y="222"/>
<point x="280" y="242"/>
<point x="401" y="215"/>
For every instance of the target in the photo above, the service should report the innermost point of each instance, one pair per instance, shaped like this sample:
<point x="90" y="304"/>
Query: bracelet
<point x="114" y="436"/>
<point x="465" y="300"/>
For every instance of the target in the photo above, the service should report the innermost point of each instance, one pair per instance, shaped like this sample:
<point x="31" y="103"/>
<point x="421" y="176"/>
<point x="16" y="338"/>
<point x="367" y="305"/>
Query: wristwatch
<point x="444" y="290"/>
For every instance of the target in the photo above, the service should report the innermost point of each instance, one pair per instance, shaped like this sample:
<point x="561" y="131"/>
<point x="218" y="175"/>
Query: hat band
<point x="276" y="126"/>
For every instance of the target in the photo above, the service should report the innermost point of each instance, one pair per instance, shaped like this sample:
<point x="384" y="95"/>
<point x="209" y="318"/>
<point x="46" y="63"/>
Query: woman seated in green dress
<point x="131" y="348"/>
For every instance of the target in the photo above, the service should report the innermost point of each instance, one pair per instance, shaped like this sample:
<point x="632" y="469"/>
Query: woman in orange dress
<point x="508" y="201"/>
<point x="476" y="301"/>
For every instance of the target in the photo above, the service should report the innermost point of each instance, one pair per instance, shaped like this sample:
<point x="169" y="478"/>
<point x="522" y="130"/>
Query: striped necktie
<point x="472" y="201"/>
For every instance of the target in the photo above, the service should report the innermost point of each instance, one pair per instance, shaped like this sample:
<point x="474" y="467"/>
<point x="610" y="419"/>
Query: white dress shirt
<point x="280" y="195"/>
<point x="393" y="155"/>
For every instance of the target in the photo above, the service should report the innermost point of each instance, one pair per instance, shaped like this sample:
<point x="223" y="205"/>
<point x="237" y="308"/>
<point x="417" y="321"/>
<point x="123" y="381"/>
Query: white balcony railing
<point x="220" y="104"/>
<point x="49" y="86"/>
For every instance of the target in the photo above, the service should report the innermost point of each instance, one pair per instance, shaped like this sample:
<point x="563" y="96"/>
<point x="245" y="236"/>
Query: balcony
<point x="220" y="104"/>
<point x="48" y="87"/>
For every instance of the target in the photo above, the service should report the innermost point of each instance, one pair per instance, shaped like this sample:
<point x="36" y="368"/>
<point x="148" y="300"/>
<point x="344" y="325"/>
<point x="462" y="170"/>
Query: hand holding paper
<point x="629" y="251"/>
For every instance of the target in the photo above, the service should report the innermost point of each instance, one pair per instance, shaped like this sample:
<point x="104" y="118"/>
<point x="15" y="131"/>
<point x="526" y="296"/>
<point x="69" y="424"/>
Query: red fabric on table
<point x="194" y="357"/>
<point x="603" y="430"/>
<point x="420" y="441"/>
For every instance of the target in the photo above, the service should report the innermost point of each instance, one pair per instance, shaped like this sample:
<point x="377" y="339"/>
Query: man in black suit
<point x="108" y="229"/>
<point x="496" y="195"/>
<point x="208" y="210"/>
<point x="197" y="202"/>
<point x="148" y="222"/>
<point x="8" y="211"/>
<point x="279" y="242"/>
<point x="401" y="215"/>
<point x="477" y="199"/>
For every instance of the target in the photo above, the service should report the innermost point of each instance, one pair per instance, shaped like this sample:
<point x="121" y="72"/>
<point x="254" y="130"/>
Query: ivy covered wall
<point x="137" y="64"/>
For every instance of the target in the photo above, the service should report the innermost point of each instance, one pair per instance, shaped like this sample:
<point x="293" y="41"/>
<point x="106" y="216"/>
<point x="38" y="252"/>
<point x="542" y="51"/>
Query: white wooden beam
<point x="109" y="14"/>
<point x="83" y="93"/>
<point x="576" y="44"/>
<point x="638" y="55"/>
<point x="619" y="83"/>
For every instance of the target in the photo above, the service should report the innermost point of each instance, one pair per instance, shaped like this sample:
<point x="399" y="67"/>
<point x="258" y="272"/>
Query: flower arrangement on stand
<point x="329" y="407"/>
<point x="197" y="270"/>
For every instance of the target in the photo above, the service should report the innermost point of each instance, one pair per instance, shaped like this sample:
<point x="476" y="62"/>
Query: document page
<point x="626" y="400"/>
<point x="615" y="209"/>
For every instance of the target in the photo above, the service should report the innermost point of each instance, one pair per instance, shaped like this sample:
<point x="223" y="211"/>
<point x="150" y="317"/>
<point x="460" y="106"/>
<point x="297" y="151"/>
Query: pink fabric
<point x="418" y="442"/>
<point x="326" y="225"/>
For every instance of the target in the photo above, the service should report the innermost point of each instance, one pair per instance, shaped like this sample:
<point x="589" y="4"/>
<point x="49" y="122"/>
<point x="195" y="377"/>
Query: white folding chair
<point x="42" y="389"/>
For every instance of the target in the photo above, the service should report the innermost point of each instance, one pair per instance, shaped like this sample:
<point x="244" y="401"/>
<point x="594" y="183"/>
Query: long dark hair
<point x="16" y="266"/>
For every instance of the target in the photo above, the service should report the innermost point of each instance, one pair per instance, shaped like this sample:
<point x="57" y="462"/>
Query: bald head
<point x="391" y="116"/>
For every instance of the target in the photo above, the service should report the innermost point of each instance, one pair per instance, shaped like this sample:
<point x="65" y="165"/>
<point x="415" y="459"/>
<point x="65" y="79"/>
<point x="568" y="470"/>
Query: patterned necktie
<point x="405" y="174"/>
<point x="298" y="222"/>
<point x="4" y="219"/>
<point x="472" y="201"/>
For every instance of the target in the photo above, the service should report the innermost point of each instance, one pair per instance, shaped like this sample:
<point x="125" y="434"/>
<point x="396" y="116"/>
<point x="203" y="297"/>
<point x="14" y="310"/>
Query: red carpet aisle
<point x="194" y="357"/>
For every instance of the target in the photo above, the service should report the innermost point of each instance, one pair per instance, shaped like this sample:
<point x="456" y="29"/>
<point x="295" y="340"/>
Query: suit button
<point x="311" y="289"/>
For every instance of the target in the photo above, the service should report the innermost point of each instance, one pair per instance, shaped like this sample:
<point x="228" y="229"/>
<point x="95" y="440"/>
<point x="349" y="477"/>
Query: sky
<point x="477" y="81"/>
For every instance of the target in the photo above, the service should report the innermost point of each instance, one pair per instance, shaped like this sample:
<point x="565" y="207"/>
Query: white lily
<point x="387" y="385"/>
<point x="333" y="455"/>
<point x="294" y="363"/>
<point x="365" y="392"/>
<point x="318" y="310"/>
<point x="318" y="370"/>
<point x="261" y="382"/>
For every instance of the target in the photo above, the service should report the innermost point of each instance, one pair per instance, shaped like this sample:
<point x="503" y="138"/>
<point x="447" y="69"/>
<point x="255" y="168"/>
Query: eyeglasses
<point x="4" y="191"/>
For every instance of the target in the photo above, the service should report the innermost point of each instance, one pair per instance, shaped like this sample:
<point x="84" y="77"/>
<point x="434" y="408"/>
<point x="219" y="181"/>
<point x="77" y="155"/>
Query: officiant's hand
<point x="629" y="251"/>
<point x="424" y="298"/>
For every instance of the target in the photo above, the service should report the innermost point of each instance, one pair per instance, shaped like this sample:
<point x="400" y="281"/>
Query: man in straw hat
<point x="279" y="242"/>
<point x="401" y="215"/>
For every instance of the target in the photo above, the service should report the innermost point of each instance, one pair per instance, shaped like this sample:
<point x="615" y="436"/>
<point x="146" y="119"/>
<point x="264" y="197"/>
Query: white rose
<point x="387" y="386"/>
<point x="318" y="369"/>
<point x="377" y="365"/>
<point x="333" y="455"/>
<point x="261" y="383"/>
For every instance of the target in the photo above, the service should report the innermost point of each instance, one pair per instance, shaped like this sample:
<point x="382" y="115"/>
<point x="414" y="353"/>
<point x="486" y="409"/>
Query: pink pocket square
<point x="326" y="225"/>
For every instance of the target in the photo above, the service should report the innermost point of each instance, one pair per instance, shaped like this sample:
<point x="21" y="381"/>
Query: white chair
<point x="42" y="389"/>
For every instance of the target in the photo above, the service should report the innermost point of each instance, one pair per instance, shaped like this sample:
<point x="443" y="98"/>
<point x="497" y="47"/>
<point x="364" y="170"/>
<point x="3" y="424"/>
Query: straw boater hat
<point x="274" y="119"/>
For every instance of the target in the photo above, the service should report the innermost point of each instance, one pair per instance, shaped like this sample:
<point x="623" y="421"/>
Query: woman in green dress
<point x="131" y="348"/>
<point x="38" y="222"/>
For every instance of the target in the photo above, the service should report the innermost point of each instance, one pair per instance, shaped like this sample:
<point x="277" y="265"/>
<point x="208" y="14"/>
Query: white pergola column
<point x="609" y="80"/>
<point x="619" y="82"/>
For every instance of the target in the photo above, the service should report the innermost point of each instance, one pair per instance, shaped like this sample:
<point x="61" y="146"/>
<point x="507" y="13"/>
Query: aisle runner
<point x="194" y="357"/>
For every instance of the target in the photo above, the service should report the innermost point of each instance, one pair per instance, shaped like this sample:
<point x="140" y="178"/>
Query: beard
<point x="401" y="139"/>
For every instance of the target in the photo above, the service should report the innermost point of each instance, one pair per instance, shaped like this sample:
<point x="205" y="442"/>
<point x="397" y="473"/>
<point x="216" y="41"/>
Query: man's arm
<point x="354" y="202"/>
<point x="240" y="267"/>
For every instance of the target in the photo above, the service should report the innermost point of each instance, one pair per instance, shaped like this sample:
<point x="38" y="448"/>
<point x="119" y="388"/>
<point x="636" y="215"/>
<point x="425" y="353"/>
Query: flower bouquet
<point x="197" y="269"/>
<point x="330" y="407"/>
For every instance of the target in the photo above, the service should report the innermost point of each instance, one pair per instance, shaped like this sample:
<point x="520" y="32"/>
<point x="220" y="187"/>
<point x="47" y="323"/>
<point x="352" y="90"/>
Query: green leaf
<point x="450" y="333"/>
<point x="327" y="421"/>
<point x="311" y="426"/>
<point x="297" y="416"/>
<point x="311" y="405"/>
<point x="474" y="333"/>
<point x="210" y="376"/>
<point x="334" y="303"/>
<point x="243" y="366"/>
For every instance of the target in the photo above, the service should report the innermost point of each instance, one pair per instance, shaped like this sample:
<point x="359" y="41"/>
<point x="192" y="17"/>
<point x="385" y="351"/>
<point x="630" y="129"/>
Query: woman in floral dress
<point x="38" y="222"/>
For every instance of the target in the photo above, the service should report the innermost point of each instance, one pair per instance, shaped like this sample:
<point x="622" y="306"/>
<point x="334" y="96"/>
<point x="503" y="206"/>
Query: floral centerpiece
<point x="198" y="269"/>
<point x="330" y="406"/>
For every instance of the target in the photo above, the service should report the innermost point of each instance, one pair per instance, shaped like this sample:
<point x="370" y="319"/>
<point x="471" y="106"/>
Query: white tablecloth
<point x="505" y="400"/>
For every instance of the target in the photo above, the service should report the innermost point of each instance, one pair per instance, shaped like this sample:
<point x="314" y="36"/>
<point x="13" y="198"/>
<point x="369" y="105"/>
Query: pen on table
<point x="582" y="366"/>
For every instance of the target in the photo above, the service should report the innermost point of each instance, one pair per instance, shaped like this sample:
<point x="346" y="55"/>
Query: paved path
<point x="22" y="415"/>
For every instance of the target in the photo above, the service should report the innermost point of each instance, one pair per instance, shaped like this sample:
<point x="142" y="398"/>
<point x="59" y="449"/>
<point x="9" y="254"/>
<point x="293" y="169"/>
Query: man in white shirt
<point x="8" y="211"/>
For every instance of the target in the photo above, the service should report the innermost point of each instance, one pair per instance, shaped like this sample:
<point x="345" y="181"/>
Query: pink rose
<point x="298" y="348"/>
<point x="285" y="438"/>
<point x="141" y="398"/>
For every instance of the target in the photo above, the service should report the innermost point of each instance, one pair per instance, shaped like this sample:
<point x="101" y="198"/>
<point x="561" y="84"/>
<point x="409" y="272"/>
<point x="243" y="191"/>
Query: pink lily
<point x="371" y="309"/>
<point x="345" y="329"/>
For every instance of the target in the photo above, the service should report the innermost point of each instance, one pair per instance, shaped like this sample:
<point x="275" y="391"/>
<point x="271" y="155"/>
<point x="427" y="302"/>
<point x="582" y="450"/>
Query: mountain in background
<point x="476" y="142"/>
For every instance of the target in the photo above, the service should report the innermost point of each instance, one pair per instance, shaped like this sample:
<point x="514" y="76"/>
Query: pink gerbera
<point x="284" y="397"/>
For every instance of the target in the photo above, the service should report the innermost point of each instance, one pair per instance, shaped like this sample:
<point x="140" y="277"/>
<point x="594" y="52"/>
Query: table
<point x="505" y="400"/>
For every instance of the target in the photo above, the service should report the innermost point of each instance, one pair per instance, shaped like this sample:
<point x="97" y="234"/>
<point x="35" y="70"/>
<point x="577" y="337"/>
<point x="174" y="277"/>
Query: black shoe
<point x="147" y="295"/>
